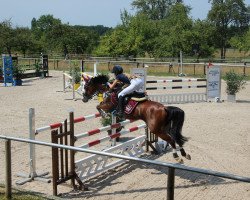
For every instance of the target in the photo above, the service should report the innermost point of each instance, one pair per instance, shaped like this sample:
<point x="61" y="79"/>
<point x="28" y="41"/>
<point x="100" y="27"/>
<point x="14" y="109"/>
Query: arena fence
<point x="171" y="166"/>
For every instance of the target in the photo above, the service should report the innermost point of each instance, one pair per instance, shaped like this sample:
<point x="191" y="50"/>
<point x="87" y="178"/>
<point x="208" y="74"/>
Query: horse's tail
<point x="176" y="116"/>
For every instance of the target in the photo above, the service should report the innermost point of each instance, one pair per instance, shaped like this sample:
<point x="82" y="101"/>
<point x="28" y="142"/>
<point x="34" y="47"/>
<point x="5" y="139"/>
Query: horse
<point x="164" y="121"/>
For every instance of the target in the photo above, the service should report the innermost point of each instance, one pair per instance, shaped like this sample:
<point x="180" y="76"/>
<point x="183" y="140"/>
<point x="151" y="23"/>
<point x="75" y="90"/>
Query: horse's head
<point x="93" y="86"/>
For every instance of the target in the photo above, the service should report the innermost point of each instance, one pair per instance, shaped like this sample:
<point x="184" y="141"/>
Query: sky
<point x="81" y="12"/>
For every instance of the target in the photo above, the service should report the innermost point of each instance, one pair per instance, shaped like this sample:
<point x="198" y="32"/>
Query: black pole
<point x="8" y="194"/>
<point x="170" y="186"/>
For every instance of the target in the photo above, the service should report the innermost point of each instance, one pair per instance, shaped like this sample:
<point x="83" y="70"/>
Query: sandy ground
<point x="219" y="140"/>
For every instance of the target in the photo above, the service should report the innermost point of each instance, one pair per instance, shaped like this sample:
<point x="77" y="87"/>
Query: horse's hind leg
<point x="168" y="139"/>
<point x="184" y="154"/>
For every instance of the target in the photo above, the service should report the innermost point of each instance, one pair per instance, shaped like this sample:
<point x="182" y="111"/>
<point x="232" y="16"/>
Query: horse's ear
<point x="85" y="78"/>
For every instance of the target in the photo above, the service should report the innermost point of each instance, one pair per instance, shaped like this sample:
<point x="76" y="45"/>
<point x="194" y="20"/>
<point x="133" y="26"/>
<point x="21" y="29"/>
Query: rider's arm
<point x="111" y="86"/>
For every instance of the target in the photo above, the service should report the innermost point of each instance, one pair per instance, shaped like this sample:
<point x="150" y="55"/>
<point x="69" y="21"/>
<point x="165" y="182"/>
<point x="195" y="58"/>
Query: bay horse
<point x="164" y="121"/>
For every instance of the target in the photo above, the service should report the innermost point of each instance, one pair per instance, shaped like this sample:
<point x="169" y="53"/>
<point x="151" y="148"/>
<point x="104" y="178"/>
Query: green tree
<point x="23" y="40"/>
<point x="154" y="9"/>
<point x="42" y="28"/>
<point x="203" y="37"/>
<point x="174" y="33"/>
<point x="241" y="42"/>
<point x="226" y="13"/>
<point x="113" y="44"/>
<point x="44" y="24"/>
<point x="134" y="37"/>
<point x="7" y="35"/>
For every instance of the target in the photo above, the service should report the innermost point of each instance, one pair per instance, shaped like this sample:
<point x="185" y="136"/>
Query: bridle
<point x="98" y="90"/>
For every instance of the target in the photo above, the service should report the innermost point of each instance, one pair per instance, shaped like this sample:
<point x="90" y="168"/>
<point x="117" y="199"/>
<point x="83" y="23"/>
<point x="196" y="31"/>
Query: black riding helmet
<point x="117" y="69"/>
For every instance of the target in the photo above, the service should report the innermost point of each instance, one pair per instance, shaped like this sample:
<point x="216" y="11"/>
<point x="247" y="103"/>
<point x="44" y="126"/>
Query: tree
<point x="241" y="42"/>
<point x="23" y="40"/>
<point x="226" y="13"/>
<point x="203" y="36"/>
<point x="174" y="32"/>
<point x="154" y="9"/>
<point x="7" y="35"/>
<point x="42" y="28"/>
<point x="44" y="24"/>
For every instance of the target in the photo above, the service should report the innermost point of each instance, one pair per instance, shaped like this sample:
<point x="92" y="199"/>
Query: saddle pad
<point x="139" y="99"/>
<point x="130" y="106"/>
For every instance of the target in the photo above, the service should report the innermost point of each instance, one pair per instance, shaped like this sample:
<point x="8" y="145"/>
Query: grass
<point x="18" y="194"/>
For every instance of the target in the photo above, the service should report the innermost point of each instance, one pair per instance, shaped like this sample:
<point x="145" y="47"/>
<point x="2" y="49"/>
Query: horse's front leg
<point x="102" y="112"/>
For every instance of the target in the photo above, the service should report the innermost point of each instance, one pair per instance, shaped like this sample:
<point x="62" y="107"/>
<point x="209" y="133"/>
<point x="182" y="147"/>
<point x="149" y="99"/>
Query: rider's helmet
<point x="117" y="69"/>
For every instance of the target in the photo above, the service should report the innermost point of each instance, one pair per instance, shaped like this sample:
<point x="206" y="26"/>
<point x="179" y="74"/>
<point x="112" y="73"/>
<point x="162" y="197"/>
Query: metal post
<point x="244" y="68"/>
<point x="42" y="65"/>
<point x="95" y="69"/>
<point x="8" y="169"/>
<point x="181" y="62"/>
<point x="113" y="130"/>
<point x="63" y="82"/>
<point x="170" y="186"/>
<point x="73" y="83"/>
<point x="72" y="143"/>
<point x="32" y="156"/>
<point x="32" y="146"/>
<point x="147" y="139"/>
<point x="82" y="66"/>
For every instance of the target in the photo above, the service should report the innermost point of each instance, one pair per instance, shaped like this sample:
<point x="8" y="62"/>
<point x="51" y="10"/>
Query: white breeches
<point x="136" y="85"/>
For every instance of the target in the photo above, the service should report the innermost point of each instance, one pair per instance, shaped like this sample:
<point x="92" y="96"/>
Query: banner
<point x="142" y="72"/>
<point x="213" y="82"/>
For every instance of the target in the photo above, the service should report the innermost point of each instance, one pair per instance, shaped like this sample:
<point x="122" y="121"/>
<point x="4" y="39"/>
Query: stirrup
<point x="120" y="115"/>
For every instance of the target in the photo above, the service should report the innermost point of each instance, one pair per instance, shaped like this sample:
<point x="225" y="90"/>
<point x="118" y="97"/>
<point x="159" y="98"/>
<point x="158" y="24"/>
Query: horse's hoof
<point x="188" y="157"/>
<point x="179" y="160"/>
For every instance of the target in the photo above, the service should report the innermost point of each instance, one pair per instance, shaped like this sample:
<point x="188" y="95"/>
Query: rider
<point x="131" y="84"/>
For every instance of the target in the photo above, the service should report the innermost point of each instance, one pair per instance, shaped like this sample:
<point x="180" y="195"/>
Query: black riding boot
<point x="120" y="107"/>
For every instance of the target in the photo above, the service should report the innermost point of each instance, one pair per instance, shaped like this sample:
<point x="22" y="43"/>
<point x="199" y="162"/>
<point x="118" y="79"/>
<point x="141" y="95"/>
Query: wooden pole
<point x="55" y="163"/>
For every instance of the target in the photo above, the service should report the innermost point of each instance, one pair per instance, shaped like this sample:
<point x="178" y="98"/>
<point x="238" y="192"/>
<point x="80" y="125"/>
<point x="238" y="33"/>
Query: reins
<point x="98" y="91"/>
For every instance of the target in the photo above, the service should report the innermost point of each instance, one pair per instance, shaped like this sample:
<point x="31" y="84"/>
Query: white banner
<point x="142" y="72"/>
<point x="213" y="82"/>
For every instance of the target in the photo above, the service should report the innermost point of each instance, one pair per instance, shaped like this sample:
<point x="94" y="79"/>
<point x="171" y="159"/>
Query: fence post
<point x="95" y="68"/>
<point x="244" y="68"/>
<point x="32" y="175"/>
<point x="113" y="130"/>
<point x="32" y="146"/>
<point x="204" y="69"/>
<point x="64" y="82"/>
<point x="72" y="143"/>
<point x="170" y="186"/>
<point x="8" y="169"/>
<point x="147" y="138"/>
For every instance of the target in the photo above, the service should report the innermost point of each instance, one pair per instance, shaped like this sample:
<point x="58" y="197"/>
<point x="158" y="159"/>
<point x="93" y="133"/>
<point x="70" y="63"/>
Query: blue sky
<point x="81" y="12"/>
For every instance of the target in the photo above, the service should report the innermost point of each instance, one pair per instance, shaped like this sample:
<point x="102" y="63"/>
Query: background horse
<point x="164" y="121"/>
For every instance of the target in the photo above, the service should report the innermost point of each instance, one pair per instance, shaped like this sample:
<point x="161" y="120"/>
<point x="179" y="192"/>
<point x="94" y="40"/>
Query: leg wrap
<point x="183" y="153"/>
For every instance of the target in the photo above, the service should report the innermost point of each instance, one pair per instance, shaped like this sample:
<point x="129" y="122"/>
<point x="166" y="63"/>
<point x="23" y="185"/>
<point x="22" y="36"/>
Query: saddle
<point x="130" y="101"/>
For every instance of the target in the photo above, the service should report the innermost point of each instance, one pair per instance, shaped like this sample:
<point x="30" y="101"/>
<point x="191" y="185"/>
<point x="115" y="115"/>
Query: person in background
<point x="131" y="84"/>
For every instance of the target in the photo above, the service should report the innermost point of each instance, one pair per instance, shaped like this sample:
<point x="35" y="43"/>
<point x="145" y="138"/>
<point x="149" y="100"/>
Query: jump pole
<point x="32" y="156"/>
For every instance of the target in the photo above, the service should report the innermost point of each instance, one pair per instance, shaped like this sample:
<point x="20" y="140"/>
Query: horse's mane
<point x="99" y="79"/>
